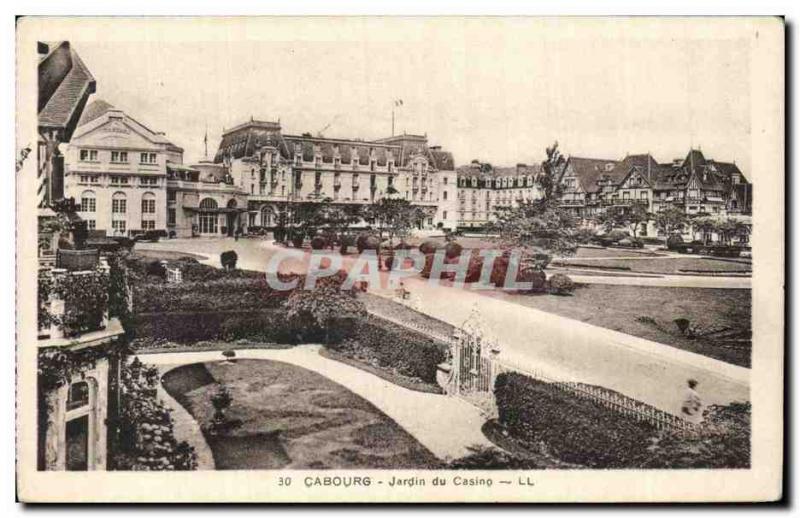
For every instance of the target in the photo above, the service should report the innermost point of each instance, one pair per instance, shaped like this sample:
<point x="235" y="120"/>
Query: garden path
<point x="445" y="425"/>
<point x="535" y="340"/>
<point x="186" y="428"/>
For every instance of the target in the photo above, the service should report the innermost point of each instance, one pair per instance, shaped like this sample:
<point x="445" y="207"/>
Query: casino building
<point x="274" y="170"/>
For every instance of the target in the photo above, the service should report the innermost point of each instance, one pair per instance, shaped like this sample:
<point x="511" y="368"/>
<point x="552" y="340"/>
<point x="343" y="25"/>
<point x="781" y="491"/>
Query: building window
<point x="119" y="156"/>
<point x="444" y="180"/>
<point x="91" y="224"/>
<point x="89" y="178"/>
<point x="119" y="226"/>
<point x="78" y="395"/>
<point x="88" y="202"/>
<point x="171" y="216"/>
<point x="119" y="205"/>
<point x="148" y="224"/>
<point x="119" y="180"/>
<point x="148" y="181"/>
<point x="147" y="158"/>
<point x="444" y="214"/>
<point x="171" y="195"/>
<point x="149" y="203"/>
<point x="444" y="195"/>
<point x="88" y="155"/>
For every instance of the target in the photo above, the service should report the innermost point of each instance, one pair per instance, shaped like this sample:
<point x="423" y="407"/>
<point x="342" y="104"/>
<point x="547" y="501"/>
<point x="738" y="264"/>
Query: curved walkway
<point x="186" y="428"/>
<point x="445" y="425"/>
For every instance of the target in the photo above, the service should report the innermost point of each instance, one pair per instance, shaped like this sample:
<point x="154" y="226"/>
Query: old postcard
<point x="400" y="259"/>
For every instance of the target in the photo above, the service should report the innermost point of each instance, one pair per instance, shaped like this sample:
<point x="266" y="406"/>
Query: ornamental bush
<point x="561" y="284"/>
<point x="318" y="243"/>
<point x="146" y="439"/>
<point x="411" y="354"/>
<point x="571" y="428"/>
<point x="452" y="250"/>
<point x="428" y="247"/>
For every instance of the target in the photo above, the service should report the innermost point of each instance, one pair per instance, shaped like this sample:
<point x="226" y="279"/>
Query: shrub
<point x="228" y="259"/>
<point x="483" y="457"/>
<point x="297" y="240"/>
<point x="525" y="273"/>
<point x="723" y="442"/>
<point x="146" y="439"/>
<point x="428" y="247"/>
<point x="571" y="428"/>
<point x="452" y="250"/>
<point x="229" y="353"/>
<point x="561" y="284"/>
<point x="673" y="240"/>
<point x="408" y="353"/>
<point x="617" y="235"/>
<point x="367" y="242"/>
<point x="584" y="235"/>
<point x="217" y="295"/>
<point x="190" y="327"/>
<point x="318" y="243"/>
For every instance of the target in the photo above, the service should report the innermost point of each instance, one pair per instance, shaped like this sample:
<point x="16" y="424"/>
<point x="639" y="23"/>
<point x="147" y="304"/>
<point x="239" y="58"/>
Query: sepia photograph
<point x="399" y="259"/>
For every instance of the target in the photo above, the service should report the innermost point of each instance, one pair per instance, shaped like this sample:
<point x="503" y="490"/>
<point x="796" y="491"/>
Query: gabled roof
<point x="727" y="169"/>
<point x="694" y="158"/>
<point x="61" y="103"/>
<point x="94" y="110"/>
<point x="589" y="171"/>
<point x="99" y="108"/>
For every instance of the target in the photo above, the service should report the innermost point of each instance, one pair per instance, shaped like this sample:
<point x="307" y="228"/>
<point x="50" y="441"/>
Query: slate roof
<point x="95" y="110"/>
<point x="589" y="170"/>
<point x="63" y="108"/>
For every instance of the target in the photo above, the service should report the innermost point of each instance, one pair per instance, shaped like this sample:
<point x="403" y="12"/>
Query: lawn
<point x="721" y="316"/>
<point x="662" y="265"/>
<point x="289" y="417"/>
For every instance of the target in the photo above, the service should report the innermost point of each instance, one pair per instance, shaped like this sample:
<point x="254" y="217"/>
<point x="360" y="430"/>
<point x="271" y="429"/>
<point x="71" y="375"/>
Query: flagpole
<point x="393" y="119"/>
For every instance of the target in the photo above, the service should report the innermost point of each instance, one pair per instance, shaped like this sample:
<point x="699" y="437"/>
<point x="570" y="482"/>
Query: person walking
<point x="692" y="405"/>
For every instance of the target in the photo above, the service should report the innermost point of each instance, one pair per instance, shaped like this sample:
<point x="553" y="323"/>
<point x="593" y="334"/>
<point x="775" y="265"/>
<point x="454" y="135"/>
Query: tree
<point x="395" y="217"/>
<point x="706" y="226"/>
<point x="630" y="217"/>
<point x="324" y="306"/>
<point x="670" y="220"/>
<point x="336" y="220"/>
<point x="539" y="227"/>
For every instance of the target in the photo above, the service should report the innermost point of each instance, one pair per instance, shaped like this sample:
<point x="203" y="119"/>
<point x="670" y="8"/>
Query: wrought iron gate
<point x="473" y="365"/>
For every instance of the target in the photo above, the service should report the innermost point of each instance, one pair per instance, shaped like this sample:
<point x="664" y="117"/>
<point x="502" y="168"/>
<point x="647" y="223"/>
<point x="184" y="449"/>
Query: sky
<point x="493" y="89"/>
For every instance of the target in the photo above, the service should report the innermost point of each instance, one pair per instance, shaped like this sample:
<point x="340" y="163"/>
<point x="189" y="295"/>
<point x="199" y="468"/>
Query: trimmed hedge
<point x="218" y="295"/>
<point x="190" y="327"/>
<point x="376" y="341"/>
<point x="572" y="429"/>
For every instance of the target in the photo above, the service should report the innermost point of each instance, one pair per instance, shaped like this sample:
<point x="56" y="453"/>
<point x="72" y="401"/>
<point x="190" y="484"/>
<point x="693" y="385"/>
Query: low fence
<point x="473" y="374"/>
